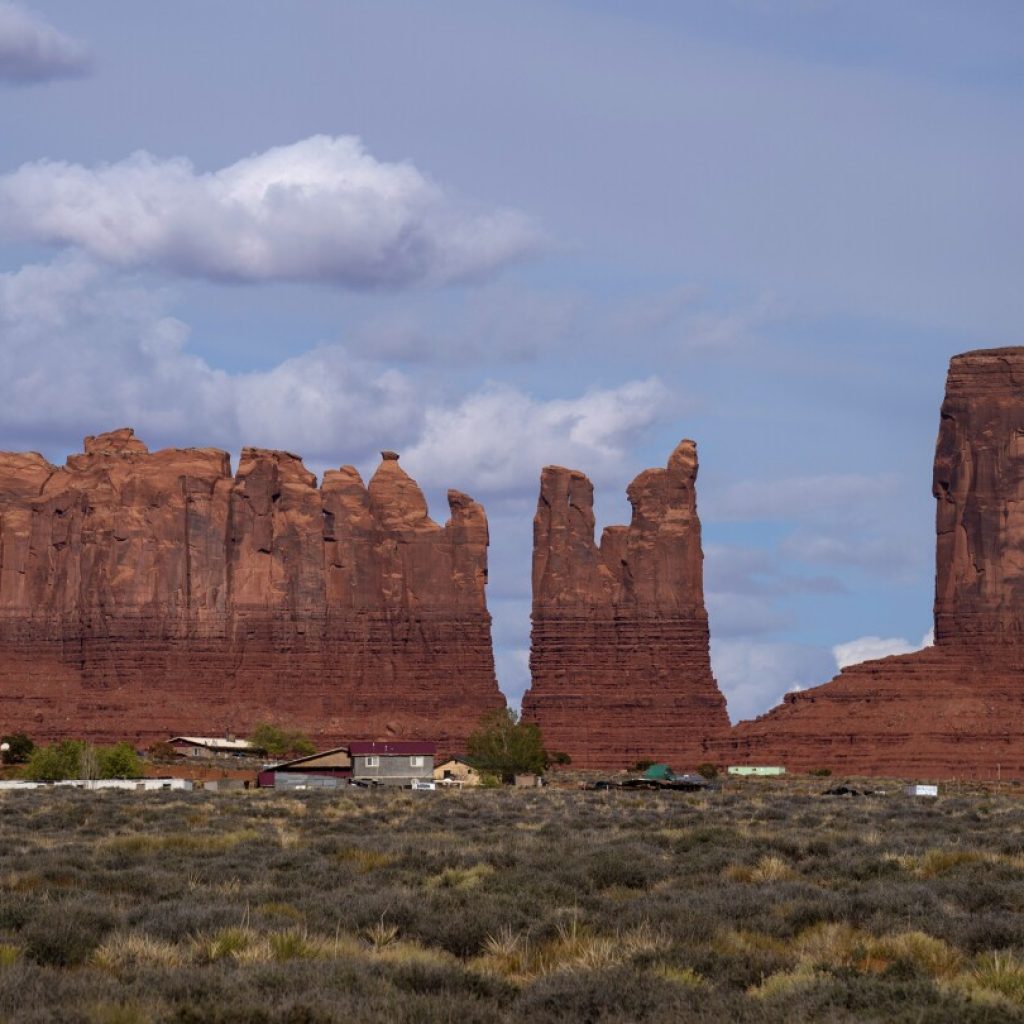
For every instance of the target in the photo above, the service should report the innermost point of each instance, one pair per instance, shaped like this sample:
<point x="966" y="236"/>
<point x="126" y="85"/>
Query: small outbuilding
<point x="211" y="746"/>
<point x="457" y="771"/>
<point x="326" y="769"/>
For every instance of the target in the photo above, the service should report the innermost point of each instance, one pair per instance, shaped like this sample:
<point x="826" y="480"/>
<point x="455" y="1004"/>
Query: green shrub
<point x="505" y="746"/>
<point x="56" y="762"/>
<point x="277" y="742"/>
<point x="119" y="762"/>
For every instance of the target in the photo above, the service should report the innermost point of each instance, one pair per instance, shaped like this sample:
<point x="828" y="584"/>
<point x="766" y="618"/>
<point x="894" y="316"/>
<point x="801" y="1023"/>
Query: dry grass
<point x="763" y="904"/>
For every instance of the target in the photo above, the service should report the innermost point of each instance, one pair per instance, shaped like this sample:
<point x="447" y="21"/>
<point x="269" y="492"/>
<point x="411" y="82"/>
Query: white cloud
<point x="754" y="675"/>
<point x="85" y="350"/>
<point x="868" y="648"/>
<point x="31" y="50"/>
<point x="81" y="343"/>
<point x="498" y="438"/>
<point x="322" y="209"/>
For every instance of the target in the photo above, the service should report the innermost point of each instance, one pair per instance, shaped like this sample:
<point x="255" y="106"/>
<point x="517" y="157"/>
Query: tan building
<point x="457" y="771"/>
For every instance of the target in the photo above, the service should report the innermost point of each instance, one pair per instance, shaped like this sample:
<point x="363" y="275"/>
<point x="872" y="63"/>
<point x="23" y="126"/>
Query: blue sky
<point x="499" y="235"/>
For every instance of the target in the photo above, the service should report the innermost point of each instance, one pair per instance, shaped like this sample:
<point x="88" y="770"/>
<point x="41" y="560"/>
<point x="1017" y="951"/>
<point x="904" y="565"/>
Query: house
<point x="211" y="746"/>
<point x="311" y="771"/>
<point x="457" y="771"/>
<point x="392" y="762"/>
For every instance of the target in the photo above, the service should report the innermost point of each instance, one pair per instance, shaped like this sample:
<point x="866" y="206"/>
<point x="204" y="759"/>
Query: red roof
<point x="397" y="747"/>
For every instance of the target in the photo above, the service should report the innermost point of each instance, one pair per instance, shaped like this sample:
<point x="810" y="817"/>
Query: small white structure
<point x="211" y="746"/>
<point x="136" y="785"/>
<point x="922" y="790"/>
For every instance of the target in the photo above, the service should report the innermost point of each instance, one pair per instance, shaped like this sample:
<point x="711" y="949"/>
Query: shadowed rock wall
<point x="143" y="594"/>
<point x="619" y="650"/>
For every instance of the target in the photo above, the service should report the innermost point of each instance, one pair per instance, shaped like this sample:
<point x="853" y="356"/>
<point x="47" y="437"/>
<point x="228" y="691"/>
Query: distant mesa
<point x="955" y="709"/>
<point x="146" y="593"/>
<point x="619" y="650"/>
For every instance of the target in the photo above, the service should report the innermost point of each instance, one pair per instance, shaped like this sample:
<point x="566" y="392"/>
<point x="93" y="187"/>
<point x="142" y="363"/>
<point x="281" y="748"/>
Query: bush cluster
<point x="767" y="903"/>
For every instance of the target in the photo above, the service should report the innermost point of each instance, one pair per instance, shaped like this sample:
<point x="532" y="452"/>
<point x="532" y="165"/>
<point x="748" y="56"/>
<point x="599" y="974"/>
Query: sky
<point x="496" y="236"/>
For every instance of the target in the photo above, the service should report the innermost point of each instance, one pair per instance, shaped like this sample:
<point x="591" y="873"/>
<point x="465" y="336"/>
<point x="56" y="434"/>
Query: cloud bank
<point x="320" y="210"/>
<point x="31" y="50"/>
<point x="80" y="342"/>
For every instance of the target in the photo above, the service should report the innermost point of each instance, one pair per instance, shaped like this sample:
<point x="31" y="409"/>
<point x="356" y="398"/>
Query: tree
<point x="118" y="762"/>
<point x="506" y="745"/>
<point x="19" y="748"/>
<point x="278" y="742"/>
<point x="56" y="762"/>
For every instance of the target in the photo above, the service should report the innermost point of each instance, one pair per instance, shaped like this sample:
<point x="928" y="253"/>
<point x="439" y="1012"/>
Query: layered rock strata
<point x="151" y="593"/>
<point x="955" y="709"/>
<point x="619" y="650"/>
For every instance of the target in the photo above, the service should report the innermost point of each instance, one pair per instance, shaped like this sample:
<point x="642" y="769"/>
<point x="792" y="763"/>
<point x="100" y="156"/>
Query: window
<point x="416" y="762"/>
<point x="372" y="761"/>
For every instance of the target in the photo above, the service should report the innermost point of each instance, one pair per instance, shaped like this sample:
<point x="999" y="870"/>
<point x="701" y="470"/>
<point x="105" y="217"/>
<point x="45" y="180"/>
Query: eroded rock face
<point x="619" y="651"/>
<point x="955" y="709"/>
<point x="143" y="594"/>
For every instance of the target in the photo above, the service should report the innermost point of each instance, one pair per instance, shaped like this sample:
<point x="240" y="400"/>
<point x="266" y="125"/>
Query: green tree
<point x="119" y="762"/>
<point x="506" y="745"/>
<point x="56" y="762"/>
<point x="277" y="742"/>
<point x="19" y="748"/>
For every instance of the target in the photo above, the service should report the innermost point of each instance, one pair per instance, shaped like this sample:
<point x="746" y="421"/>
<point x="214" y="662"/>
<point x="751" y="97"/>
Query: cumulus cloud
<point x="755" y="675"/>
<point x="499" y="437"/>
<point x="31" y="50"/>
<point x="867" y="648"/>
<point x="80" y="341"/>
<point x="322" y="209"/>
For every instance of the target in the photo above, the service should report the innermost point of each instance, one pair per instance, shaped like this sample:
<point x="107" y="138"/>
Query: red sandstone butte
<point x="619" y="653"/>
<point x="152" y="593"/>
<point x="955" y="709"/>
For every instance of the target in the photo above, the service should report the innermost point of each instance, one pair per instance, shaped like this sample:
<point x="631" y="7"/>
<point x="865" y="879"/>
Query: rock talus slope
<point x="955" y="709"/>
<point x="619" y="650"/>
<point x="146" y="593"/>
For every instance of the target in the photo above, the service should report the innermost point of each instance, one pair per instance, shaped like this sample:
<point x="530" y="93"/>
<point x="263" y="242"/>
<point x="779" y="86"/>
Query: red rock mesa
<point x="145" y="594"/>
<point x="955" y="709"/>
<point x="619" y="653"/>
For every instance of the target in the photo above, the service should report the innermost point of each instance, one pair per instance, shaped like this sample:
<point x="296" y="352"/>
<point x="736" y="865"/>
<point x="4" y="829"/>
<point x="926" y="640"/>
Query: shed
<point x="457" y="771"/>
<point x="755" y="769"/>
<point x="335" y="763"/>
<point x="211" y="746"/>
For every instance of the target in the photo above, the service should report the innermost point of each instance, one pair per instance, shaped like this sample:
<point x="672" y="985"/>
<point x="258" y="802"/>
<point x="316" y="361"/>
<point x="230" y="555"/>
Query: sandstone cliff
<point x="619" y="651"/>
<point x="955" y="709"/>
<point x="146" y="593"/>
